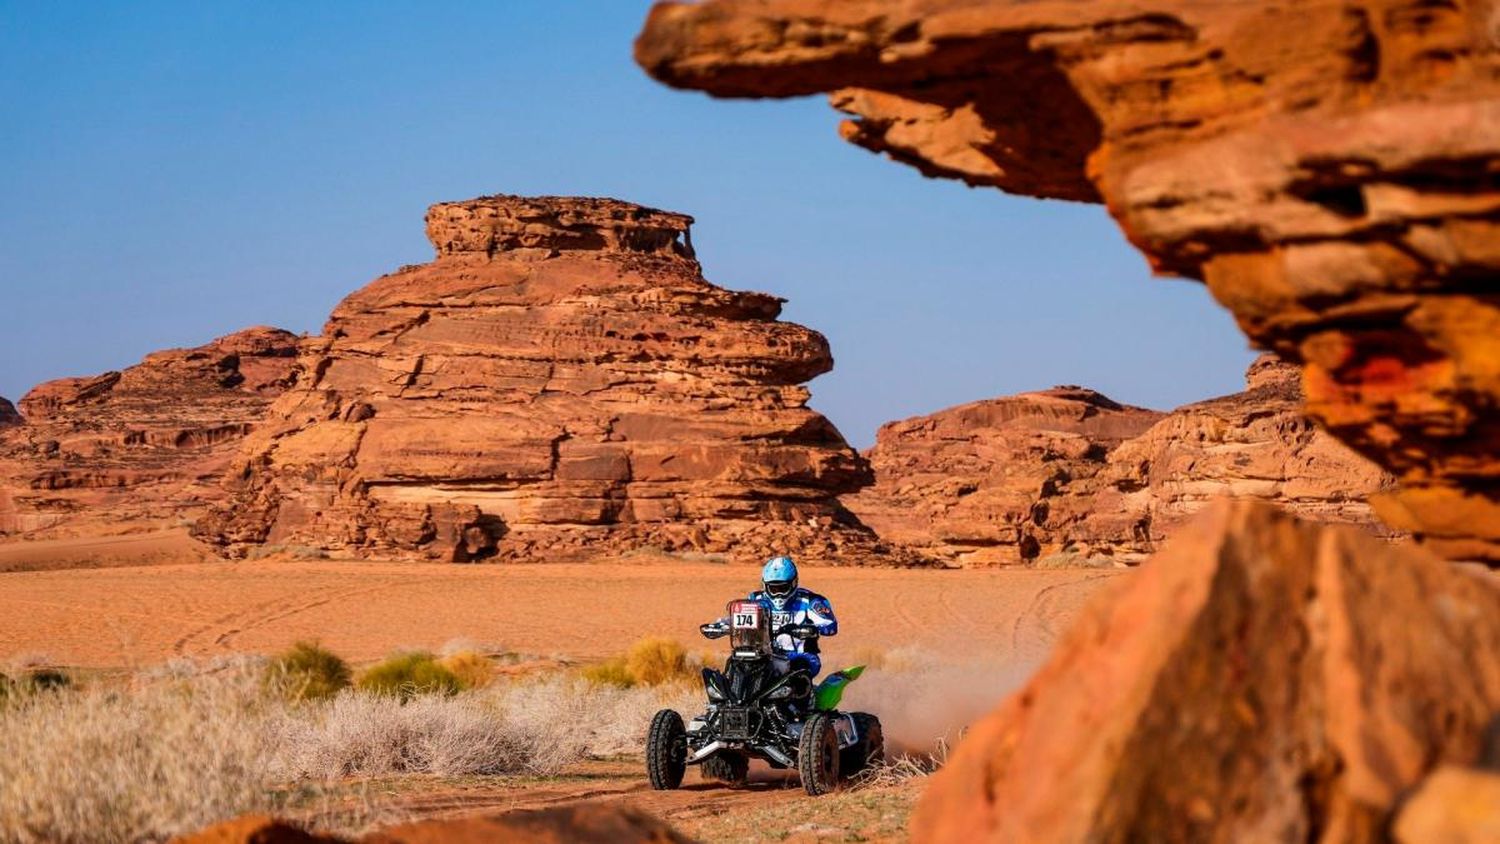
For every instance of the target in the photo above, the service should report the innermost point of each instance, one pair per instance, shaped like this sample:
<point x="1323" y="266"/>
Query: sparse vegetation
<point x="474" y="670"/>
<point x="180" y="746"/>
<point x="406" y="675"/>
<point x="652" y="661"/>
<point x="308" y="671"/>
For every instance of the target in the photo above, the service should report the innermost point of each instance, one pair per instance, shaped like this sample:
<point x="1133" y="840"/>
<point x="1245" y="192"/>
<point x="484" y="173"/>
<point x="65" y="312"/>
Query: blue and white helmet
<point x="779" y="578"/>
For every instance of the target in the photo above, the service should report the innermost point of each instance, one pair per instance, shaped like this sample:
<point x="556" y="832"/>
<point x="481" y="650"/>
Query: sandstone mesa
<point x="560" y="378"/>
<point x="1331" y="170"/>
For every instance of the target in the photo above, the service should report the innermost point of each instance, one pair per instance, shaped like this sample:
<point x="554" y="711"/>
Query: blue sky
<point x="176" y="171"/>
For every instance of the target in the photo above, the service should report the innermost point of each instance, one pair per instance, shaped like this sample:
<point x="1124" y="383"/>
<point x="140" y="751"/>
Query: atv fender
<point x="830" y="692"/>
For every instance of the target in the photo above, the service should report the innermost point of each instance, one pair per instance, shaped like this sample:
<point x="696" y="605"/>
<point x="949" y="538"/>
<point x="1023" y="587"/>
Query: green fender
<point x="829" y="692"/>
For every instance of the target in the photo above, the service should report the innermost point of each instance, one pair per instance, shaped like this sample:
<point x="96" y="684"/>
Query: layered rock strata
<point x="560" y="378"/>
<point x="1259" y="680"/>
<point x="1331" y="170"/>
<point x="140" y="449"/>
<point x="1069" y="477"/>
<point x="1257" y="444"/>
<point x="1005" y="481"/>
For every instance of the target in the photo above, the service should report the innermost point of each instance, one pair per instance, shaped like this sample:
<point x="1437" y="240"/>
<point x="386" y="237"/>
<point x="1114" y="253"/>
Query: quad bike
<point x="759" y="707"/>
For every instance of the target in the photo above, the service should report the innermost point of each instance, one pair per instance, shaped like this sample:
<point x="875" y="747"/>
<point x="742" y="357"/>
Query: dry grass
<point x="652" y="661"/>
<point x="186" y="744"/>
<point x="474" y="670"/>
<point x="108" y="766"/>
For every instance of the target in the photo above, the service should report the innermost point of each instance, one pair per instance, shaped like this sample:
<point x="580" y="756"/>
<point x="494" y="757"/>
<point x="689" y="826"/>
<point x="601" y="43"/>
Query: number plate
<point x="746" y="618"/>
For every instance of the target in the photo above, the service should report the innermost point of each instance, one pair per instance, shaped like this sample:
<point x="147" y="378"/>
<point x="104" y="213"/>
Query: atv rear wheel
<point x="666" y="750"/>
<point x="727" y="766"/>
<point x="869" y="750"/>
<point x="818" y="755"/>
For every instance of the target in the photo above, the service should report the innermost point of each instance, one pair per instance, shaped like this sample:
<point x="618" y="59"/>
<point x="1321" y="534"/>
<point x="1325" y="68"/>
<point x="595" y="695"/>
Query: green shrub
<point x="308" y="671"/>
<point x="406" y="675"/>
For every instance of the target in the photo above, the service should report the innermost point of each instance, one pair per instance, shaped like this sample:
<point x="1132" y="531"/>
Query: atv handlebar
<point x="800" y="632"/>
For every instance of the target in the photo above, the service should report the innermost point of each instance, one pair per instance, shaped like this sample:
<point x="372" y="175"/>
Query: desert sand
<point x="135" y="616"/>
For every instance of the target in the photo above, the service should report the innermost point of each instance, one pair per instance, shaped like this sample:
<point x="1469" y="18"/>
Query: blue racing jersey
<point x="803" y="607"/>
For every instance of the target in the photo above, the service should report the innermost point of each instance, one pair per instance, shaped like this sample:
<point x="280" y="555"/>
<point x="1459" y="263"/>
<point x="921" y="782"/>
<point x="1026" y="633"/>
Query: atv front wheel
<point x="728" y="767"/>
<point x="869" y="750"/>
<point x="818" y="755"/>
<point x="666" y="751"/>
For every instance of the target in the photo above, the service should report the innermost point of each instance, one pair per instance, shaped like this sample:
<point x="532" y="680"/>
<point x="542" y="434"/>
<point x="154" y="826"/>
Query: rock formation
<point x="139" y="449"/>
<point x="583" y="822"/>
<point x="561" y="377"/>
<point x="1067" y="476"/>
<point x="1247" y="684"/>
<point x="8" y="414"/>
<point x="999" y="482"/>
<point x="1255" y="444"/>
<point x="1331" y="170"/>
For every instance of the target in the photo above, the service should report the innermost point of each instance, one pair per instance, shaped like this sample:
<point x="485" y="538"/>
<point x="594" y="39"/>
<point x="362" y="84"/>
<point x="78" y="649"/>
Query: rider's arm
<point x="820" y="615"/>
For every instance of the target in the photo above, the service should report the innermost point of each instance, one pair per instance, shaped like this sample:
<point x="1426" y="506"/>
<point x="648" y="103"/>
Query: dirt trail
<point x="114" y="617"/>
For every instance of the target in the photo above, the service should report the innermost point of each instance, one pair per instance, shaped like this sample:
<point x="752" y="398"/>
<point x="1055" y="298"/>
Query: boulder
<point x="559" y="380"/>
<point x="585" y="823"/>
<point x="1452" y="806"/>
<point x="1328" y="171"/>
<point x="139" y="449"/>
<point x="1260" y="679"/>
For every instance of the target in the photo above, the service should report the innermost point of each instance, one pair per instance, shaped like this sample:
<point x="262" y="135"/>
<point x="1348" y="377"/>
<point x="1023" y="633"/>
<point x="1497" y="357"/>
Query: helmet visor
<point x="780" y="588"/>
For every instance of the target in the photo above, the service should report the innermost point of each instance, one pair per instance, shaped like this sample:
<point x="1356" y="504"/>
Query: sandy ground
<point x="990" y="625"/>
<point x="133" y="616"/>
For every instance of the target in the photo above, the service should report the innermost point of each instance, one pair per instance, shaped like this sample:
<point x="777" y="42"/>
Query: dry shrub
<point x="610" y="672"/>
<point x="104" y="766"/>
<point x="379" y="735"/>
<point x="656" y="660"/>
<point x="307" y="671"/>
<point x="407" y="675"/>
<point x="652" y="661"/>
<point x="474" y="670"/>
<point x="194" y="744"/>
<point x="565" y="719"/>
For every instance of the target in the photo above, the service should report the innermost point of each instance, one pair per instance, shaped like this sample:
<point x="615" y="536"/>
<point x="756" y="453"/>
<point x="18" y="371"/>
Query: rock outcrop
<point x="583" y="823"/>
<point x="8" y="414"/>
<point x="1256" y="444"/>
<point x="999" y="482"/>
<point x="140" y="449"/>
<point x="1330" y="170"/>
<point x="560" y="378"/>
<point x="1069" y="477"/>
<point x="1260" y="679"/>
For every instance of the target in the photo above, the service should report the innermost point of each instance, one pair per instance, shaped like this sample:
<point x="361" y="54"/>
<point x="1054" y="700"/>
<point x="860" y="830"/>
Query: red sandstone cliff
<point x="560" y="378"/>
<point x="144" y="448"/>
<point x="1328" y="168"/>
<point x="1067" y="476"/>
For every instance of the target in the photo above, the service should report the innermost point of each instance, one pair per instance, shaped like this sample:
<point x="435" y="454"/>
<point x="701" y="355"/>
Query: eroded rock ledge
<point x="1068" y="477"/>
<point x="139" y="449"/>
<point x="561" y="378"/>
<point x="1331" y="169"/>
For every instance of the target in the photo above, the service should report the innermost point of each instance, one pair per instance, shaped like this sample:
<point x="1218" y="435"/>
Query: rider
<point x="791" y="607"/>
